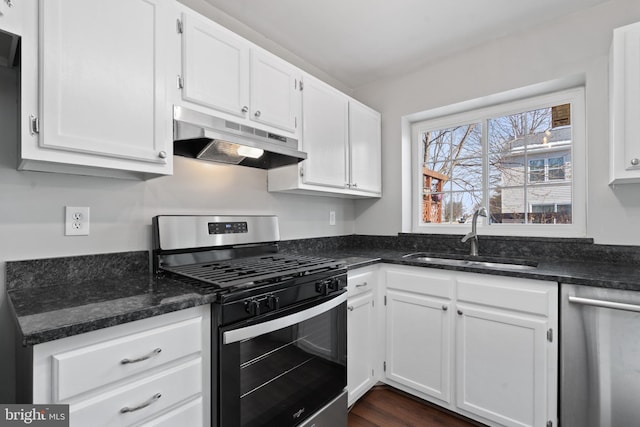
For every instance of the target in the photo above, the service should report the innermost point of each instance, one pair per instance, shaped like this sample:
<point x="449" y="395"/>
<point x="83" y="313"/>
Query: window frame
<point x="481" y="112"/>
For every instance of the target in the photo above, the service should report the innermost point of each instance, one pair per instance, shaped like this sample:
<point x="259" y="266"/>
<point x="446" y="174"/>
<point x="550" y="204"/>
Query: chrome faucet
<point x="474" y="234"/>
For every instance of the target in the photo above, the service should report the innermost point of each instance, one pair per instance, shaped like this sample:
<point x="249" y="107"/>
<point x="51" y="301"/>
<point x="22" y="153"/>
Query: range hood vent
<point x="201" y="136"/>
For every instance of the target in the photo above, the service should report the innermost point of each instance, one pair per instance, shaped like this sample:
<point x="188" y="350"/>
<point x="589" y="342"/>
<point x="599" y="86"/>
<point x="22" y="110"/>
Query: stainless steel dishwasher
<point x="600" y="357"/>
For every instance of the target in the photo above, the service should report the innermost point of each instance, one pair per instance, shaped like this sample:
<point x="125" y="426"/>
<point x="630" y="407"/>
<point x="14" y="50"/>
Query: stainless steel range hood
<point x="201" y="136"/>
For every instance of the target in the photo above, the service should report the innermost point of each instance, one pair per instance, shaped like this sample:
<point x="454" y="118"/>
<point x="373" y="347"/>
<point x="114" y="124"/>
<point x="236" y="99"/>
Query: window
<point x="515" y="159"/>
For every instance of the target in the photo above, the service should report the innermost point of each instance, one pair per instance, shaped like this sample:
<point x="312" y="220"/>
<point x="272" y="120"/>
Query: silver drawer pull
<point x="143" y="405"/>
<point x="154" y="353"/>
<point x="350" y="308"/>
<point x="362" y="285"/>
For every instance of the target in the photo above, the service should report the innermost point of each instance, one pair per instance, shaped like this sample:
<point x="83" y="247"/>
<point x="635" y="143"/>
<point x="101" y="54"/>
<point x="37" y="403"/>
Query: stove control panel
<point x="228" y="227"/>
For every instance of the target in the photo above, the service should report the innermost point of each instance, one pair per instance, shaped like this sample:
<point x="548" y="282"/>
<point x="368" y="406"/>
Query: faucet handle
<point x="468" y="236"/>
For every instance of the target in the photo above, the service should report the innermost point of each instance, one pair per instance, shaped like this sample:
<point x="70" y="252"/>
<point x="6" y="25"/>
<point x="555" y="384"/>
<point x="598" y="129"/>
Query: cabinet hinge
<point x="550" y="335"/>
<point x="34" y="125"/>
<point x="179" y="27"/>
<point x="180" y="82"/>
<point x="384" y="366"/>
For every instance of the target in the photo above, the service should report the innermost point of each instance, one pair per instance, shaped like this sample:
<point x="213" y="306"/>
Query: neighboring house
<point x="536" y="179"/>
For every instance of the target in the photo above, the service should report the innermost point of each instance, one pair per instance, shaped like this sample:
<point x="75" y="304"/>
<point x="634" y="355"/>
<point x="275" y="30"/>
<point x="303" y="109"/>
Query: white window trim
<point x="431" y="120"/>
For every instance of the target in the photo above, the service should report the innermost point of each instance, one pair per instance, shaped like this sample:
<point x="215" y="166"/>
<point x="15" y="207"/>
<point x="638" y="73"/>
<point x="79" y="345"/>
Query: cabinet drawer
<point x="529" y="296"/>
<point x="172" y="386"/>
<point x="86" y="368"/>
<point x="437" y="283"/>
<point x="188" y="414"/>
<point x="361" y="281"/>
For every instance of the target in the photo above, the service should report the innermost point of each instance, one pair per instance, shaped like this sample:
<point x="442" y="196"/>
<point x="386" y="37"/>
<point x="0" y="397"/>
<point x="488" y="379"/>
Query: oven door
<point x="279" y="369"/>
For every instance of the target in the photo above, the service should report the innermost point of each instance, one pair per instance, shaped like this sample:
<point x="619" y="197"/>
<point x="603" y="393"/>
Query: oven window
<point x="285" y="375"/>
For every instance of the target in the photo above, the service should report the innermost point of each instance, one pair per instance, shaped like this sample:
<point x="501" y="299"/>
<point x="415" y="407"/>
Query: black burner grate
<point x="251" y="270"/>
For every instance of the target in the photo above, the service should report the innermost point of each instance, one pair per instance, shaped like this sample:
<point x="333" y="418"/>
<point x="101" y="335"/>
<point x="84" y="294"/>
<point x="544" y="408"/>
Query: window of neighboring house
<point x="515" y="159"/>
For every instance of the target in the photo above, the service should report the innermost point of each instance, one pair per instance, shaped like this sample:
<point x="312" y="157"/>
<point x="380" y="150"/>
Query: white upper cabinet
<point x="624" y="96"/>
<point x="342" y="139"/>
<point x="275" y="91"/>
<point x="365" y="148"/>
<point x="102" y="88"/>
<point x="227" y="76"/>
<point x="10" y="17"/>
<point x="215" y="66"/>
<point x="324" y="134"/>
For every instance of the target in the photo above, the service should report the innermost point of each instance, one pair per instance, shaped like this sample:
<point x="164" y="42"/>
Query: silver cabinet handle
<point x="445" y="308"/>
<point x="362" y="285"/>
<point x="154" y="353"/>
<point x="143" y="405"/>
<point x="635" y="162"/>
<point x="162" y="154"/>
<point x="257" y="113"/>
<point x="350" y="308"/>
<point x="245" y="109"/>
<point x="605" y="304"/>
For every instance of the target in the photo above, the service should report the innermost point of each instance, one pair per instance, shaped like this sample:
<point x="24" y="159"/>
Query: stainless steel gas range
<point x="279" y="320"/>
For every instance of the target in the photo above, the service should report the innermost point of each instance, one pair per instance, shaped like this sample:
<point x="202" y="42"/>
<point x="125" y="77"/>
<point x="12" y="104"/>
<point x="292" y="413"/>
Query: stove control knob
<point x="322" y="287"/>
<point x="273" y="302"/>
<point x="334" y="284"/>
<point x="252" y="307"/>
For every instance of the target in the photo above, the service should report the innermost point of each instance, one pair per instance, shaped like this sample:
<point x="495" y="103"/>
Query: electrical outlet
<point x="76" y="221"/>
<point x="332" y="217"/>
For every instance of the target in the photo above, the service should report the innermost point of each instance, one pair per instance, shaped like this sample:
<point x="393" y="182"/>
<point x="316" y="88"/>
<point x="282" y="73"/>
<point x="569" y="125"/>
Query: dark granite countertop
<point x="52" y="312"/>
<point x="607" y="275"/>
<point x="59" y="297"/>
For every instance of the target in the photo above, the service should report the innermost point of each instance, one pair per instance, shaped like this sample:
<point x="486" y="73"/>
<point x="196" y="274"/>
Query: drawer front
<point x="529" y="296"/>
<point x="360" y="282"/>
<point x="87" y="368"/>
<point x="188" y="414"/>
<point x="437" y="283"/>
<point x="141" y="399"/>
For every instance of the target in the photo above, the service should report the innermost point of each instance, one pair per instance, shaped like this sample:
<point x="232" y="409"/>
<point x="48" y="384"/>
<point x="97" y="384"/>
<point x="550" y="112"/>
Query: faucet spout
<point x="473" y="235"/>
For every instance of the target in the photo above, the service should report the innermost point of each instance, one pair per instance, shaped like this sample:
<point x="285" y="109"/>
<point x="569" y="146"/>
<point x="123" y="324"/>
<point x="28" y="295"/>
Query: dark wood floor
<point x="384" y="406"/>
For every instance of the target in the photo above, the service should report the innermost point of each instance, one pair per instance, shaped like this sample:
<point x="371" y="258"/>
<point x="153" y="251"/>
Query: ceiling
<point x="361" y="41"/>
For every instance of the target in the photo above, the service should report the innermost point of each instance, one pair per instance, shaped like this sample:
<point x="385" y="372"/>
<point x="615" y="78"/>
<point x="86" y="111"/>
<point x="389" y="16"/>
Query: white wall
<point x="578" y="44"/>
<point x="32" y="209"/>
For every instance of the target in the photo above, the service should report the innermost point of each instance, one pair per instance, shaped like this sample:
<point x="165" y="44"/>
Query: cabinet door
<point x="625" y="105"/>
<point x="365" y="148"/>
<point x="324" y="134"/>
<point x="10" y="19"/>
<point x="501" y="365"/>
<point x="360" y="345"/>
<point x="215" y="66"/>
<point x="418" y="343"/>
<point x="275" y="91"/>
<point x="103" y="76"/>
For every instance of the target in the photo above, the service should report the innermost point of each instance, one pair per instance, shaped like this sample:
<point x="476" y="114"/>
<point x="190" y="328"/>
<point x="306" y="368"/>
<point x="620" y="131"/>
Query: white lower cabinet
<point x="152" y="372"/>
<point x="362" y="343"/>
<point x="419" y="331"/>
<point x="481" y="345"/>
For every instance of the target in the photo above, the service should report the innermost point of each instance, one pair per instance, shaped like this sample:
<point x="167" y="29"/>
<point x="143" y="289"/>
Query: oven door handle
<point x="256" y="330"/>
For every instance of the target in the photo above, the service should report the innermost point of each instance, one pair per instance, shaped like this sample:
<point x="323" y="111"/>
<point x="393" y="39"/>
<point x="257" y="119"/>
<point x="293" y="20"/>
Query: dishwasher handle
<point x="605" y="304"/>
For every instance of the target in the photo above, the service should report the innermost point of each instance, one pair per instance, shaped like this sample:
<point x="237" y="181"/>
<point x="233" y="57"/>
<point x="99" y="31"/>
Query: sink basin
<point x="498" y="265"/>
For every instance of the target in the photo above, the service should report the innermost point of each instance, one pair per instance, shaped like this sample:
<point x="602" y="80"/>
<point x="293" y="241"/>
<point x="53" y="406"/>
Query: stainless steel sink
<point x="430" y="259"/>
